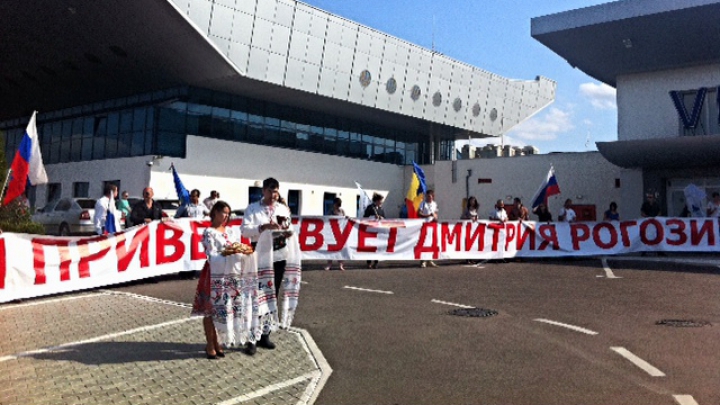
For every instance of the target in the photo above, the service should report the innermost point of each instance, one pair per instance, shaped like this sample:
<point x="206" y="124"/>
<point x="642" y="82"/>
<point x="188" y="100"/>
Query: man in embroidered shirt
<point x="268" y="214"/>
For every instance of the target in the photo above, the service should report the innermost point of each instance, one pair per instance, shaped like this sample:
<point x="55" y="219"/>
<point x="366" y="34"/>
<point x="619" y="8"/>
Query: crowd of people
<point x="232" y="281"/>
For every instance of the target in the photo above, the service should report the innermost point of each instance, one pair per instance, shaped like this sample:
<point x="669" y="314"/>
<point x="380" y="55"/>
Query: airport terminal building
<point x="233" y="92"/>
<point x="663" y="58"/>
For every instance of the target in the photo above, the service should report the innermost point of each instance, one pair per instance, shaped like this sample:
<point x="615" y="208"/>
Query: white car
<point x="67" y="216"/>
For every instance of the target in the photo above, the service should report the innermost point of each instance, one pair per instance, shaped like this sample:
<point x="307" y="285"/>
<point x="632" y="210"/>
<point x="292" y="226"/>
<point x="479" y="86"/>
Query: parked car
<point x="169" y="207"/>
<point x="67" y="216"/>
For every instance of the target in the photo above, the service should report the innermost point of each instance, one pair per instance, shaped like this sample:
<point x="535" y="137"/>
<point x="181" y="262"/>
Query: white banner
<point x="32" y="265"/>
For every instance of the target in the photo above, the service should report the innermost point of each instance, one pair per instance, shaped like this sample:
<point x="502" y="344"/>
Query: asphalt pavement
<point x="574" y="331"/>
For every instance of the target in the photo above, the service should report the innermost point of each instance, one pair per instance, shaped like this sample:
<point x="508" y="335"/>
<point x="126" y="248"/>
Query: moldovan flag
<point x="111" y="220"/>
<point x="416" y="191"/>
<point x="27" y="166"/>
<point x="548" y="188"/>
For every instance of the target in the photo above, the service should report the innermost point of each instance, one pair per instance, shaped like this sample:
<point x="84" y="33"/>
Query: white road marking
<point x="644" y="365"/>
<point x="685" y="399"/>
<point x="147" y="298"/>
<point x="368" y="290"/>
<point x="565" y="325"/>
<point x="269" y="389"/>
<point x="52" y="301"/>
<point x="324" y="370"/>
<point x="608" y="272"/>
<point x="451" y="303"/>
<point x="95" y="339"/>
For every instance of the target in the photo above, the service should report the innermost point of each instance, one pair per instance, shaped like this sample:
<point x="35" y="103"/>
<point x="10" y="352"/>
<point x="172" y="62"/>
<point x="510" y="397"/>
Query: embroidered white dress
<point x="256" y="215"/>
<point x="233" y="292"/>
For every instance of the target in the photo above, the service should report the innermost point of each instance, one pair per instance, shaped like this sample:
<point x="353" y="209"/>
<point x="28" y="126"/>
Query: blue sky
<point x="495" y="36"/>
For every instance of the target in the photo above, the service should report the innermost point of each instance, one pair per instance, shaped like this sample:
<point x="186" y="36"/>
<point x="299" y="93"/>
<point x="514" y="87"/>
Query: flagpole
<point x="7" y="178"/>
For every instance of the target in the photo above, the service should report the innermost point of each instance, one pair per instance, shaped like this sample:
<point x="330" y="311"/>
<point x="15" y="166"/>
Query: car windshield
<point x="86" y="204"/>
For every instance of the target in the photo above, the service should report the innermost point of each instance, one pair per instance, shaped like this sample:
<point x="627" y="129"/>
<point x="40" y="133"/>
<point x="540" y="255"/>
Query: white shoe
<point x="423" y="264"/>
<point x="432" y="264"/>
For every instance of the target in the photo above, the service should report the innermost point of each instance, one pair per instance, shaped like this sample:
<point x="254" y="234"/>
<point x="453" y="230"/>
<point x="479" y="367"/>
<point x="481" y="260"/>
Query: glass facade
<point x="158" y="123"/>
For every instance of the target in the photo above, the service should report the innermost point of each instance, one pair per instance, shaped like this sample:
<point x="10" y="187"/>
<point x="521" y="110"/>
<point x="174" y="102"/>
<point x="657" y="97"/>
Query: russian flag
<point x="27" y="166"/>
<point x="182" y="192"/>
<point x="416" y="191"/>
<point x="548" y="188"/>
<point x="111" y="220"/>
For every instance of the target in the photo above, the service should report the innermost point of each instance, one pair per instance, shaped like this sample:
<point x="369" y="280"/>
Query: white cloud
<point x="601" y="96"/>
<point x="545" y="127"/>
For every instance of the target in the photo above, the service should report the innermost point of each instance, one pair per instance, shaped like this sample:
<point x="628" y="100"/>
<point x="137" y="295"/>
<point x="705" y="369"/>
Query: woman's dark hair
<point x="219" y="207"/>
<point x="377" y="197"/>
<point x="472" y="203"/>
<point x="613" y="206"/>
<point x="337" y="201"/>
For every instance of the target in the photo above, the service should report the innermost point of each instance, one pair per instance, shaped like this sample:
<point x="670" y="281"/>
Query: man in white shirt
<point x="194" y="209"/>
<point x="101" y="208"/>
<point x="210" y="201"/>
<point x="428" y="209"/>
<point x="267" y="215"/>
<point x="567" y="214"/>
<point x="499" y="214"/>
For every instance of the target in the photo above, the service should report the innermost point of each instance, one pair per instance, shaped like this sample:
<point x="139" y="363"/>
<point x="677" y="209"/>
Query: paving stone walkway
<point x="118" y="348"/>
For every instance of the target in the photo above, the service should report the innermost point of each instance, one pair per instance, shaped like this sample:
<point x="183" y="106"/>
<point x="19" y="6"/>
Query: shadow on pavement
<point x="124" y="352"/>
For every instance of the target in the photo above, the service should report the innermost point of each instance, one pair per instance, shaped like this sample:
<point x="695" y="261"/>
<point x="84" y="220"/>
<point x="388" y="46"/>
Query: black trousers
<point x="279" y="268"/>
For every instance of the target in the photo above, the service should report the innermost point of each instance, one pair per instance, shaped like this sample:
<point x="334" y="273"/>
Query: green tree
<point x="15" y="217"/>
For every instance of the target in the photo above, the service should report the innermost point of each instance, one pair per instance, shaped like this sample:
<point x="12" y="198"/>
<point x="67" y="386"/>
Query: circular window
<point x="493" y="114"/>
<point x="365" y="78"/>
<point x="476" y="109"/>
<point x="457" y="104"/>
<point x="391" y="85"/>
<point x="437" y="99"/>
<point x="415" y="92"/>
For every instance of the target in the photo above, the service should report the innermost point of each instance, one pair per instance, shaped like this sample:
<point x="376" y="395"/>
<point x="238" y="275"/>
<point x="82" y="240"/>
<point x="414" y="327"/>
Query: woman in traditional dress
<point x="227" y="290"/>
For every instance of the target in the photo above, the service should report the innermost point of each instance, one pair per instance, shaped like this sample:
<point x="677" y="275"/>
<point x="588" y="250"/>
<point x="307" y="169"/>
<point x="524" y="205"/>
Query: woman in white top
<point x="226" y="294"/>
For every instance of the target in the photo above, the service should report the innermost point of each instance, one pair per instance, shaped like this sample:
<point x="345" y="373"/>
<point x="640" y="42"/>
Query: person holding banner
<point x="544" y="215"/>
<point x="518" y="211"/>
<point x="146" y="210"/>
<point x="226" y="294"/>
<point x="429" y="210"/>
<point x="375" y="211"/>
<point x="193" y="209"/>
<point x="267" y="223"/>
<point x="337" y="210"/>
<point x="102" y="206"/>
<point x="499" y="214"/>
<point x="713" y="206"/>
<point x="471" y="209"/>
<point x="567" y="214"/>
